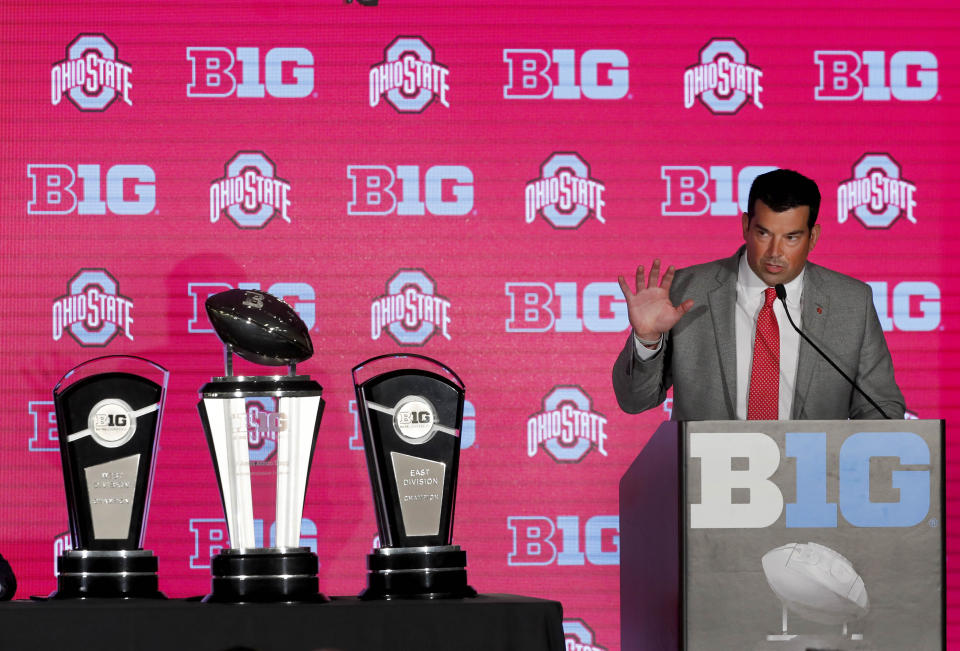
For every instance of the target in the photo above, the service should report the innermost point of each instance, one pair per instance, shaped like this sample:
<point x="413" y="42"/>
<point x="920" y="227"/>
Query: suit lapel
<point x="723" y="301"/>
<point x="815" y="308"/>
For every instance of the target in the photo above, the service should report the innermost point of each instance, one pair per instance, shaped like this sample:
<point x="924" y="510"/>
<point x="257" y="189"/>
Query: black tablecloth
<point x="487" y="623"/>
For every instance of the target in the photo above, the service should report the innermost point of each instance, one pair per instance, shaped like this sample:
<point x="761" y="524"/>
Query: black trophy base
<point x="121" y="574"/>
<point x="265" y="575"/>
<point x="417" y="573"/>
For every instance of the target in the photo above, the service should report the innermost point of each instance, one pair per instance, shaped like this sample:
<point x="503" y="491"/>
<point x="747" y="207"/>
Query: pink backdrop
<point x="366" y="191"/>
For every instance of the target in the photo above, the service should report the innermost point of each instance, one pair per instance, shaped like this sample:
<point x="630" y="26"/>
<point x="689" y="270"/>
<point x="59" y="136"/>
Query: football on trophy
<point x="259" y="327"/>
<point x="816" y="583"/>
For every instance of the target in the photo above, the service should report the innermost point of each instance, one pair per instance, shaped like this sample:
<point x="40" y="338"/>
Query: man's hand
<point x="649" y="308"/>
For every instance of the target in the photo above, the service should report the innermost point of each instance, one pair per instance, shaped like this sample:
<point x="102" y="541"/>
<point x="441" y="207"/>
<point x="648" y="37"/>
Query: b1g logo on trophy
<point x="411" y="411"/>
<point x="108" y="422"/>
<point x="262" y="475"/>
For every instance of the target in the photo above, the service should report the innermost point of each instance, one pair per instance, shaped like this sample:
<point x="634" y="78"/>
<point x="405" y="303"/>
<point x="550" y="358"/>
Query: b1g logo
<point x="565" y="194"/>
<point x="566" y="427"/>
<point x="538" y="74"/>
<point x="876" y="194"/>
<point x="288" y="72"/>
<point x="445" y="190"/>
<point x="913" y="76"/>
<point x="910" y="489"/>
<point x="301" y="297"/>
<point x="542" y="540"/>
<point x="723" y="79"/>
<point x="694" y="190"/>
<point x="911" y="306"/>
<point x="562" y="307"/>
<point x="129" y="190"/>
<point x="92" y="311"/>
<point x="578" y="636"/>
<point x="411" y="311"/>
<point x="468" y="429"/>
<point x="44" y="437"/>
<point x="408" y="76"/>
<point x="250" y="193"/>
<point x="211" y="536"/>
<point x="91" y="76"/>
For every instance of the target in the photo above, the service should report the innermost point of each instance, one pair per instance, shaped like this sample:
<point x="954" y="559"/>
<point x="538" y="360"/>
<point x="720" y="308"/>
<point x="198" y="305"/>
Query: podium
<point x="785" y="536"/>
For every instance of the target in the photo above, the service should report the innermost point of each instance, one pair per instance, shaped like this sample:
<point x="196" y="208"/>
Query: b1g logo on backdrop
<point x="211" y="536"/>
<point x="250" y="193"/>
<point x="723" y="79"/>
<point x="876" y="193"/>
<point x="564" y="307"/>
<point x="301" y="297"/>
<point x="578" y="636"/>
<point x="287" y="72"/>
<point x="695" y="190"/>
<point x="566" y="427"/>
<point x="913" y="75"/>
<point x="408" y="77"/>
<point x="564" y="194"/>
<point x="468" y="430"/>
<point x="129" y="189"/>
<point x="411" y="311"/>
<point x="538" y="74"/>
<point x="910" y="306"/>
<point x="92" y="311"/>
<point x="445" y="190"/>
<point x="44" y="437"/>
<point x="91" y="77"/>
<point x="543" y="540"/>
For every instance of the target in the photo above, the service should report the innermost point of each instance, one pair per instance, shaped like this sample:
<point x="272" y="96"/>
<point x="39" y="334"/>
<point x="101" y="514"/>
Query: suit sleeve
<point x="640" y="385"/>
<point x="875" y="372"/>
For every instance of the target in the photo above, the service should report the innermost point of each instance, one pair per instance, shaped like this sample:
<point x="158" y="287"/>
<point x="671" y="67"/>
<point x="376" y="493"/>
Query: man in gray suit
<point x="695" y="328"/>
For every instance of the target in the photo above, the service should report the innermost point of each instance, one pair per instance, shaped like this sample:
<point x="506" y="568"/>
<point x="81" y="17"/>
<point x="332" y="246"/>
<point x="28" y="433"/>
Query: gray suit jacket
<point x="699" y="357"/>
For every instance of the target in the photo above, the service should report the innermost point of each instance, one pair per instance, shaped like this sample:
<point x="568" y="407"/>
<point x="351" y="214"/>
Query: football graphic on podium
<point x="259" y="327"/>
<point x="816" y="582"/>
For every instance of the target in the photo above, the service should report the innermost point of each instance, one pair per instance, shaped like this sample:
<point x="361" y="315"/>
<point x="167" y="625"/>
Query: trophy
<point x="108" y="422"/>
<point x="262" y="431"/>
<point x="411" y="410"/>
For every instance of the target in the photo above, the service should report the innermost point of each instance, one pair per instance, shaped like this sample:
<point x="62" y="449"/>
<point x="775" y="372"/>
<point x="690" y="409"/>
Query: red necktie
<point x="764" y="400"/>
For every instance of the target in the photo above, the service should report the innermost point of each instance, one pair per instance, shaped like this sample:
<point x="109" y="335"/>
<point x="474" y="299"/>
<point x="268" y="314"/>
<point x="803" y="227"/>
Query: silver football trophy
<point x="411" y="412"/>
<point x="108" y="422"/>
<point x="262" y="431"/>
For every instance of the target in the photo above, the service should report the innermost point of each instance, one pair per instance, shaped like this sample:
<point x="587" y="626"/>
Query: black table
<point x="485" y="623"/>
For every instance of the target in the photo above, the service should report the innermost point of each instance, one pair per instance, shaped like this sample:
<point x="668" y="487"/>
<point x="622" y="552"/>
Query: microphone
<point x="782" y="295"/>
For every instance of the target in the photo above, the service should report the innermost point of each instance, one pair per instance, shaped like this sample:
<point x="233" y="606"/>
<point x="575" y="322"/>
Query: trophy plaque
<point x="262" y="431"/>
<point x="411" y="411"/>
<point x="108" y="421"/>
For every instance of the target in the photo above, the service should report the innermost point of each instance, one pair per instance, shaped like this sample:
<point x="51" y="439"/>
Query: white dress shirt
<point x="750" y="298"/>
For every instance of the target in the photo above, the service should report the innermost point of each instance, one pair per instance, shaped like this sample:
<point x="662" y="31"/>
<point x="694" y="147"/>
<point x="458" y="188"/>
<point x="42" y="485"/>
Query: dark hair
<point x="785" y="189"/>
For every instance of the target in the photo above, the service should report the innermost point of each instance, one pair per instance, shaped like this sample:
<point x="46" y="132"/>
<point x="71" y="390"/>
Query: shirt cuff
<point x="643" y="353"/>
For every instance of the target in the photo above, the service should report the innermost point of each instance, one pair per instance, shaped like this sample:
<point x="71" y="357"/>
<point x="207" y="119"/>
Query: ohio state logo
<point x="723" y="79"/>
<point x="578" y="636"/>
<point x="91" y="76"/>
<point x="410" y="311"/>
<point x="250" y="193"/>
<point x="567" y="427"/>
<point x="92" y="311"/>
<point x="565" y="194"/>
<point x="408" y="76"/>
<point x="263" y="421"/>
<point x="876" y="194"/>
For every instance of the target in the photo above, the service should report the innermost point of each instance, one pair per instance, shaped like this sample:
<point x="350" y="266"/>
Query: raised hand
<point x="649" y="307"/>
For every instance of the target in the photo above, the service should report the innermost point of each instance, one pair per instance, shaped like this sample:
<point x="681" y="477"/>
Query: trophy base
<point x="265" y="575"/>
<point x="120" y="574"/>
<point x="417" y="573"/>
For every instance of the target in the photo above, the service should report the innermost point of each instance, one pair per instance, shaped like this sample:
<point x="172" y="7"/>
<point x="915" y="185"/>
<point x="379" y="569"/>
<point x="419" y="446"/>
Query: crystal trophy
<point x="108" y="421"/>
<point x="262" y="431"/>
<point x="411" y="411"/>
